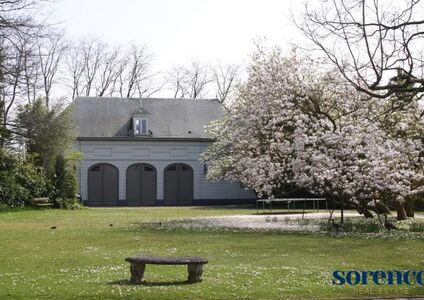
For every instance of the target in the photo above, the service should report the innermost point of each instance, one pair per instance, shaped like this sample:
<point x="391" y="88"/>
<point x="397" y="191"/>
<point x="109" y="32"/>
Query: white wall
<point x="122" y="154"/>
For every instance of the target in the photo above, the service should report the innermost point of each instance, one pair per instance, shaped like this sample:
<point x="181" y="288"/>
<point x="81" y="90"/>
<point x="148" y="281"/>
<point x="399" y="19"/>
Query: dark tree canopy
<point x="47" y="132"/>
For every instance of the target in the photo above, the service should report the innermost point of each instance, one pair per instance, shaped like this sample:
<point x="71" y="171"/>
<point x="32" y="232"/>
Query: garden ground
<point x="83" y="258"/>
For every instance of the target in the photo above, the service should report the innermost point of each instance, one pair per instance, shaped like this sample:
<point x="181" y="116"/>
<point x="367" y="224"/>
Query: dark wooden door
<point x="141" y="185"/>
<point x="148" y="185"/>
<point x="178" y="184"/>
<point x="103" y="183"/>
<point x="95" y="186"/>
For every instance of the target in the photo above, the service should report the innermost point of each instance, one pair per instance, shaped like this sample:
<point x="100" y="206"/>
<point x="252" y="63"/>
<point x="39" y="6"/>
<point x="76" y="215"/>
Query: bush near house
<point x="65" y="181"/>
<point x="20" y="180"/>
<point x="48" y="168"/>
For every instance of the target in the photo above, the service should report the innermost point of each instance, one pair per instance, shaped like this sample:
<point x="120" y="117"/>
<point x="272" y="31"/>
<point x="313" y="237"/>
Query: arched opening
<point x="103" y="185"/>
<point x="141" y="185"/>
<point x="178" y="184"/>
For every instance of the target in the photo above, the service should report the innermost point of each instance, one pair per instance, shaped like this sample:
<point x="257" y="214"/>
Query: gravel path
<point x="284" y="222"/>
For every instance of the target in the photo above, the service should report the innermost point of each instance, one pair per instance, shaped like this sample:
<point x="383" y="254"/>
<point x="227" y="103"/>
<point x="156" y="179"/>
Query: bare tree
<point x="74" y="68"/>
<point x="225" y="77"/>
<point x="176" y="78"/>
<point x="376" y="45"/>
<point x="13" y="70"/>
<point x="16" y="18"/>
<point x="137" y="75"/>
<point x="198" y="78"/>
<point x="191" y="82"/>
<point x="109" y="70"/>
<point x="116" y="84"/>
<point x="51" y="50"/>
<point x="93" y="51"/>
<point x="31" y="72"/>
<point x="17" y="28"/>
<point x="94" y="68"/>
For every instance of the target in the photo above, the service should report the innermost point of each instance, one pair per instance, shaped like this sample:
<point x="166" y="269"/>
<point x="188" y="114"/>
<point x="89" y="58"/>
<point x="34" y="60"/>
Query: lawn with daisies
<point x="65" y="254"/>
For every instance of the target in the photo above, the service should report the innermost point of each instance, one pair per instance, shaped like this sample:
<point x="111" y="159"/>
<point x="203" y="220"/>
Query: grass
<point x="354" y="225"/>
<point x="84" y="258"/>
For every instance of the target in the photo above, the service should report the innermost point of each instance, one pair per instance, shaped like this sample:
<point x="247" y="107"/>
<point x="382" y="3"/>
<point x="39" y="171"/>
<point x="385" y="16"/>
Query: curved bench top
<point x="167" y="260"/>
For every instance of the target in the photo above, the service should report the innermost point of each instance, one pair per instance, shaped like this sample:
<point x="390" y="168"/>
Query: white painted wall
<point x="160" y="154"/>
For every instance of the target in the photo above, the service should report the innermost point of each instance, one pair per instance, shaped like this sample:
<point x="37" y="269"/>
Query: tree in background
<point x="50" y="50"/>
<point x="46" y="132"/>
<point x="199" y="80"/>
<point x="94" y="68"/>
<point x="18" y="29"/>
<point x="226" y="78"/>
<point x="49" y="136"/>
<point x="190" y="82"/>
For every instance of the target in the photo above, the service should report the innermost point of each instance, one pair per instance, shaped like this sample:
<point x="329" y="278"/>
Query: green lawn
<point x="84" y="258"/>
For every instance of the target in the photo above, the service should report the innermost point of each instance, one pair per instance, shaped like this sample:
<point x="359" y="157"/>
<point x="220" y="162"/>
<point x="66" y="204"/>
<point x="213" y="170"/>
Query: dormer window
<point x="141" y="126"/>
<point x="141" y="121"/>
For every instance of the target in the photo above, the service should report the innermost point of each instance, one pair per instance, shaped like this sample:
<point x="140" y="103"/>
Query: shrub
<point x="65" y="181"/>
<point x="20" y="180"/>
<point x="68" y="203"/>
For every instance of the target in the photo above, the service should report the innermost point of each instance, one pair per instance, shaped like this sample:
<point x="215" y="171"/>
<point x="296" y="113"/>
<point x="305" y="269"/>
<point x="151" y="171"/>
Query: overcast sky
<point x="178" y="30"/>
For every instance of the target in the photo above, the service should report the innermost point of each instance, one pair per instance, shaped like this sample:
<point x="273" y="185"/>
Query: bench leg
<point x="137" y="273"/>
<point x="195" y="272"/>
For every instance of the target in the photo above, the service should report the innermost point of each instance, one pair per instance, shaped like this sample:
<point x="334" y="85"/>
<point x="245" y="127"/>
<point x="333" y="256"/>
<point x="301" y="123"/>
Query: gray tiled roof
<point x="111" y="117"/>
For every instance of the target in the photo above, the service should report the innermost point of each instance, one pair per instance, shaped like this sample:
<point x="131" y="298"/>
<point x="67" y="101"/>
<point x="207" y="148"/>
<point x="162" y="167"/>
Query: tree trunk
<point x="342" y="212"/>
<point x="367" y="214"/>
<point x="400" y="209"/>
<point x="410" y="207"/>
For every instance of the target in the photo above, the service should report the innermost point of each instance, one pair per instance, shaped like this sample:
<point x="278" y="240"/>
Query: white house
<point x="140" y="152"/>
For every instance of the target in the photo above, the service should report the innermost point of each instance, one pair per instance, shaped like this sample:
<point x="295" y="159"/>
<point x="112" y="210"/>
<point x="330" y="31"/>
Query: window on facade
<point x="140" y="126"/>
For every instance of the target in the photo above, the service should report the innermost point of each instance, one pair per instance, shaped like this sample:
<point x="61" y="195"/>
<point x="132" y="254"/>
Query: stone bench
<point x="138" y="265"/>
<point x="42" y="202"/>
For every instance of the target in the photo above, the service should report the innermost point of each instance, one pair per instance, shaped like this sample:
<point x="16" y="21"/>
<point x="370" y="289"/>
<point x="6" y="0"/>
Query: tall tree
<point x="11" y="85"/>
<point x="74" y="69"/>
<point x="296" y="124"/>
<point x="17" y="30"/>
<point x="47" y="132"/>
<point x="225" y="78"/>
<point x="93" y="51"/>
<point x="51" y="51"/>
<point x="94" y="68"/>
<point x="109" y="71"/>
<point x="375" y="45"/>
<point x="190" y="81"/>
<point x="138" y="80"/>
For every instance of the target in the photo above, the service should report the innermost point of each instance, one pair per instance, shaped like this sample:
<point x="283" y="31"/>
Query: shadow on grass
<point x="147" y="283"/>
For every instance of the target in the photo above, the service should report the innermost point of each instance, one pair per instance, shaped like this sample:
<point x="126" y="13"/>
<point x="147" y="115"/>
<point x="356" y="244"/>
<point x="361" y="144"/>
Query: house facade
<point x="144" y="152"/>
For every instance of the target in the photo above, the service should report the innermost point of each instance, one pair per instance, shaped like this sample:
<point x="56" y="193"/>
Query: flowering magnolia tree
<point x="294" y="124"/>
